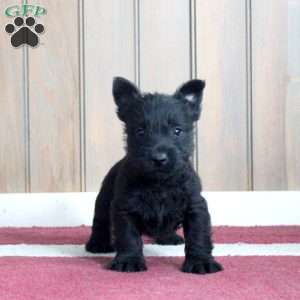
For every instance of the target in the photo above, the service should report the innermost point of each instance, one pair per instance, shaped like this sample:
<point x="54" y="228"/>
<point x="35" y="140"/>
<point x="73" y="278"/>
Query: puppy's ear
<point x="124" y="93"/>
<point x="192" y="92"/>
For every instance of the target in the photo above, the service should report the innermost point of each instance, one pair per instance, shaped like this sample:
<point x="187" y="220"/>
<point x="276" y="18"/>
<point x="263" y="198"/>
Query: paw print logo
<point x="24" y="32"/>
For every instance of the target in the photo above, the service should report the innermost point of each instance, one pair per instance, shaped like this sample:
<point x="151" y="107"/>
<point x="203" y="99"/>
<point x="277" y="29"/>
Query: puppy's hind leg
<point x="172" y="239"/>
<point x="100" y="239"/>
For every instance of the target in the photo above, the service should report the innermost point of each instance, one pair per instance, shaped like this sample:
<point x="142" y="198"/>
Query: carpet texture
<point x="79" y="235"/>
<point x="86" y="278"/>
<point x="244" y="278"/>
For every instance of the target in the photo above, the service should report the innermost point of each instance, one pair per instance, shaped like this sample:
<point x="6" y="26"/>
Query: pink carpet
<point x="244" y="278"/>
<point x="85" y="278"/>
<point x="79" y="235"/>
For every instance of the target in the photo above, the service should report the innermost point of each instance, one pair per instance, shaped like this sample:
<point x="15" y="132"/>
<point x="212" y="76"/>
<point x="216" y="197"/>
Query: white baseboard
<point x="74" y="209"/>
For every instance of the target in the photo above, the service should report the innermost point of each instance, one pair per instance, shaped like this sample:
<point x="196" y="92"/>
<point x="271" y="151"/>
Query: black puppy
<point x="154" y="188"/>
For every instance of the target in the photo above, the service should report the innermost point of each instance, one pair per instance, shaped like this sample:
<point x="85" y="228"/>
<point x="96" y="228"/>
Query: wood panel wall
<point x="276" y="94"/>
<point x="53" y="96"/>
<point x="58" y="128"/>
<point x="13" y="111"/>
<point x="109" y="50"/>
<point x="223" y="139"/>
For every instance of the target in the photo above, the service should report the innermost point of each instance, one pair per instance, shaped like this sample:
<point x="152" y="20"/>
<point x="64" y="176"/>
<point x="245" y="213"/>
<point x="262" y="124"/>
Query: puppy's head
<point x="159" y="127"/>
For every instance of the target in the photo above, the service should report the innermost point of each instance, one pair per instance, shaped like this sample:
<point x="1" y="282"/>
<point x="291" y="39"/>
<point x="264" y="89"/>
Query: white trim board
<point x="238" y="249"/>
<point x="74" y="209"/>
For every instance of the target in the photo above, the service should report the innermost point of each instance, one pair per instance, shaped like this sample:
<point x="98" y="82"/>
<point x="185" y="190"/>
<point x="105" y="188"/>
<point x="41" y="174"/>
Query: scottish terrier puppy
<point x="154" y="189"/>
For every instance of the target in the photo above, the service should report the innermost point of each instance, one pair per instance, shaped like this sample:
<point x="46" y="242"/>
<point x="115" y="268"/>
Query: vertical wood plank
<point x="164" y="44"/>
<point x="292" y="127"/>
<point x="221" y="61"/>
<point x="109" y="52"/>
<point x="12" y="155"/>
<point x="54" y="101"/>
<point x="276" y="94"/>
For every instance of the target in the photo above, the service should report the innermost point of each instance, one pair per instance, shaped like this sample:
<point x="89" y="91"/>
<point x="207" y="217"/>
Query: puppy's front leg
<point x="198" y="244"/>
<point x="128" y="244"/>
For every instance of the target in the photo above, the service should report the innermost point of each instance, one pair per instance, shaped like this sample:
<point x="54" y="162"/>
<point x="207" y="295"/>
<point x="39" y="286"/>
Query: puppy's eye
<point x="140" y="131"/>
<point x="177" y="131"/>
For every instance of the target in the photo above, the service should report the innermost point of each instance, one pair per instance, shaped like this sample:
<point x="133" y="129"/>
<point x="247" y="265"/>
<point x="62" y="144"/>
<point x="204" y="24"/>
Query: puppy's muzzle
<point x="160" y="159"/>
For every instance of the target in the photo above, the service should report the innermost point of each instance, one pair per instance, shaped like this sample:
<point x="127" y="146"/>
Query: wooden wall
<point x="58" y="128"/>
<point x="276" y="94"/>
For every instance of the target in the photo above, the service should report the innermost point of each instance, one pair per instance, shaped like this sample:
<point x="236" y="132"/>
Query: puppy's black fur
<point x="154" y="188"/>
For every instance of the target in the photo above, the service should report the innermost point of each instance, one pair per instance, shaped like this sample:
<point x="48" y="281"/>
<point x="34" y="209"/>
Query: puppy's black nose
<point x="160" y="158"/>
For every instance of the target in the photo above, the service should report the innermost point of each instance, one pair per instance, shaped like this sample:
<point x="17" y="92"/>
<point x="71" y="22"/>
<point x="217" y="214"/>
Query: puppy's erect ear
<point x="124" y="92"/>
<point x="192" y="92"/>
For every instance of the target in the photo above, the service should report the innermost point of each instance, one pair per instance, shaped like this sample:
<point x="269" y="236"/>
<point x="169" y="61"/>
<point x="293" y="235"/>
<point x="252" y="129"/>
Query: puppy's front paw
<point x="128" y="264"/>
<point x="201" y="266"/>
